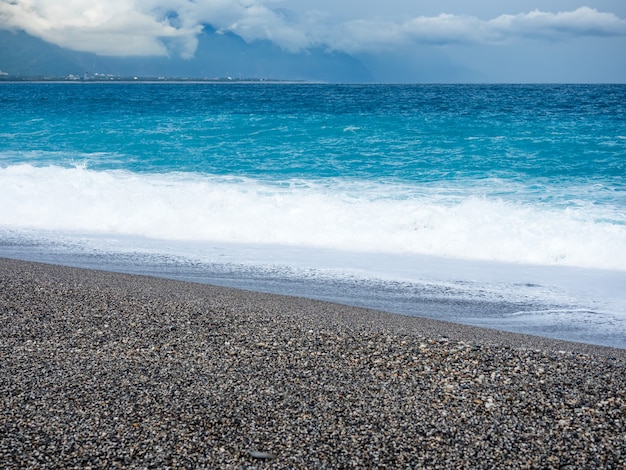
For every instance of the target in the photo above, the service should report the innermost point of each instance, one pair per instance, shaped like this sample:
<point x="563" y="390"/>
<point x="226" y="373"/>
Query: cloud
<point x="166" y="27"/>
<point x="584" y="21"/>
<point x="446" y="29"/>
<point x="114" y="27"/>
<point x="139" y="27"/>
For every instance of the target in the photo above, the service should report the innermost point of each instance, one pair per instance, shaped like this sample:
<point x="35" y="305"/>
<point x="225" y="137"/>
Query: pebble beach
<point x="108" y="370"/>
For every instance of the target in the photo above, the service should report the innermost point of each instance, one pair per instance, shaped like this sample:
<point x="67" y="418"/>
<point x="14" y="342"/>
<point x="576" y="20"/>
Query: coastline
<point x="104" y="369"/>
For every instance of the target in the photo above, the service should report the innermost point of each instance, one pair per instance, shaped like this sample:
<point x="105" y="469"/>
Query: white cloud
<point x="256" y="21"/>
<point x="140" y="27"/>
<point x="443" y="29"/>
<point x="584" y="21"/>
<point x="115" y="27"/>
<point x="136" y="27"/>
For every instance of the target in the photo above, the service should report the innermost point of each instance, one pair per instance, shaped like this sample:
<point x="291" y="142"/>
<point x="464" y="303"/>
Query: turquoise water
<point x="412" y="133"/>
<point x="508" y="201"/>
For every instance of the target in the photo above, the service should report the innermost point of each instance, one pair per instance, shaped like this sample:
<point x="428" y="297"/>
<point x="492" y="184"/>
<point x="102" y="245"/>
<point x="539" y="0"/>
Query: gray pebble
<point x="104" y="370"/>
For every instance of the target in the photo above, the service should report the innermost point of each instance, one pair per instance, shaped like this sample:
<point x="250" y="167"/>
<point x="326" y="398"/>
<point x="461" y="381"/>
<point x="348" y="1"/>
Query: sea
<point x="502" y="206"/>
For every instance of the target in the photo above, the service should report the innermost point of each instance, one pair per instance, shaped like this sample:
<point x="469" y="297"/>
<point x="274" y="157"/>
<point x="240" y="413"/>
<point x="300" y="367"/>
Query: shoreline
<point x="106" y="369"/>
<point x="394" y="322"/>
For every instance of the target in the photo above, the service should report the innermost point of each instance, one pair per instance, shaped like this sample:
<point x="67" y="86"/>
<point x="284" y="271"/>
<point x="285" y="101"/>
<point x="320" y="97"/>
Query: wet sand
<point x="108" y="370"/>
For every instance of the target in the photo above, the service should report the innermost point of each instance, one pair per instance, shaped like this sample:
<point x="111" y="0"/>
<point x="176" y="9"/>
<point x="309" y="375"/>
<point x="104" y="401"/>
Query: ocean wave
<point x="366" y="216"/>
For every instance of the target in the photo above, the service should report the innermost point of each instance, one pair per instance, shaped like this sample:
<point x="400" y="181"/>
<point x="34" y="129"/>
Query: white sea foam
<point x="444" y="252"/>
<point x="338" y="215"/>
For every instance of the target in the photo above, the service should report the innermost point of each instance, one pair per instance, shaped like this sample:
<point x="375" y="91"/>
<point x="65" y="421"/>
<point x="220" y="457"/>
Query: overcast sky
<point x="398" y="40"/>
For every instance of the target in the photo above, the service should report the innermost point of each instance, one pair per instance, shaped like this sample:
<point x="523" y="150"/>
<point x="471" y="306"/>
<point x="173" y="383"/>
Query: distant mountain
<point x="25" y="55"/>
<point x="218" y="56"/>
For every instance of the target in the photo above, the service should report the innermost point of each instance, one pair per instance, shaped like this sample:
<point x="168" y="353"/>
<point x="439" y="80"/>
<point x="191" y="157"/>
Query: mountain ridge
<point x="219" y="55"/>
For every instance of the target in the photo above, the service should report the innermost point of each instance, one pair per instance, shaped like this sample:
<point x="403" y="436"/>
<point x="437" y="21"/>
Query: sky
<point x="397" y="40"/>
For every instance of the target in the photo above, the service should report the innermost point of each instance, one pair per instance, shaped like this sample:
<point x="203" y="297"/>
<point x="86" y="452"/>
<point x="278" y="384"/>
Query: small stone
<point x="255" y="454"/>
